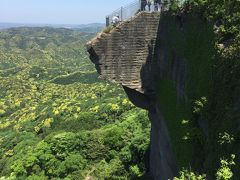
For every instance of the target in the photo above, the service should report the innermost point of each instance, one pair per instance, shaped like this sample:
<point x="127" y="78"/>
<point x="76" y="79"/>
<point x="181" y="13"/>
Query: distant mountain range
<point x="93" y="27"/>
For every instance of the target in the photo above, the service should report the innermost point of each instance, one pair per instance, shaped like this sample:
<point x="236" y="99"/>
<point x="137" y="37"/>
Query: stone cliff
<point x="120" y="54"/>
<point x="165" y="64"/>
<point x="124" y="56"/>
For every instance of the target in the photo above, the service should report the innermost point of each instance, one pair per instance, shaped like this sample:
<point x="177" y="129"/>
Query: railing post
<point x="107" y="21"/>
<point x="121" y="13"/>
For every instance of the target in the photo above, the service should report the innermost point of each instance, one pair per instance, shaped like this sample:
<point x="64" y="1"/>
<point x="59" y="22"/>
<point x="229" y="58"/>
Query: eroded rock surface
<point x="120" y="55"/>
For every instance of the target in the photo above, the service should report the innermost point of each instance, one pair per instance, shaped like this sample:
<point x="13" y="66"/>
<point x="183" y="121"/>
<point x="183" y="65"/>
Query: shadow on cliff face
<point x="159" y="65"/>
<point x="138" y="99"/>
<point x="95" y="59"/>
<point x="163" y="163"/>
<point x="179" y="72"/>
<point x="147" y="73"/>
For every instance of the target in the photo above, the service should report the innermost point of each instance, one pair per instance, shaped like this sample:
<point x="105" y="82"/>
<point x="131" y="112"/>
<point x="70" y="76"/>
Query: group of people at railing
<point x="144" y="5"/>
<point x="152" y="5"/>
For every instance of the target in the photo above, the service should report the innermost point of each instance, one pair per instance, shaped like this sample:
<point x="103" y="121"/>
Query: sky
<point x="58" y="11"/>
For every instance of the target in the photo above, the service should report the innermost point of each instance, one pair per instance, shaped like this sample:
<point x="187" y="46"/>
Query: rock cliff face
<point x="159" y="61"/>
<point x="125" y="56"/>
<point x="120" y="54"/>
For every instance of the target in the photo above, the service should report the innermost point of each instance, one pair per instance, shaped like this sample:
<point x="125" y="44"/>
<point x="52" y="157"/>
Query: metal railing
<point x="124" y="12"/>
<point x="130" y="10"/>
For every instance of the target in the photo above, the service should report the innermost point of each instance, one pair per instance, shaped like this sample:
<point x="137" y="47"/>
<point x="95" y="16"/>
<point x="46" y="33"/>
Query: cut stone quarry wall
<point x="123" y="51"/>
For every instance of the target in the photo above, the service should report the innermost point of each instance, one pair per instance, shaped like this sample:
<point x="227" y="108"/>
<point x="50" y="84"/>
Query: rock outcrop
<point x="125" y="56"/>
<point x="164" y="64"/>
<point x="120" y="54"/>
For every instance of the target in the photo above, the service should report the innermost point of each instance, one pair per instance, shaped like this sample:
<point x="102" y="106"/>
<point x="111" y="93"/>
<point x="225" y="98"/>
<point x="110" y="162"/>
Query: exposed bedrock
<point x="120" y="54"/>
<point x="125" y="56"/>
<point x="139" y="54"/>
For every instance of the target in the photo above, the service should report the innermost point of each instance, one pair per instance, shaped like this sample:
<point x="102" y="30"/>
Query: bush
<point x="224" y="172"/>
<point x="185" y="174"/>
<point x="108" y="29"/>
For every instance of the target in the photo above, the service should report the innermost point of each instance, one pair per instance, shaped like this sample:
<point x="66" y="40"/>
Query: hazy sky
<point x="58" y="11"/>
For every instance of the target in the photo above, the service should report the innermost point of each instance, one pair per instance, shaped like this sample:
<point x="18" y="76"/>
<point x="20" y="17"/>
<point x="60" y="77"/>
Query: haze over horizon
<point x="57" y="11"/>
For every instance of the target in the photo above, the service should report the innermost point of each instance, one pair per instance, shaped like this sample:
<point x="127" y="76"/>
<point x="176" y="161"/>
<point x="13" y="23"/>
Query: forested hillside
<point x="57" y="119"/>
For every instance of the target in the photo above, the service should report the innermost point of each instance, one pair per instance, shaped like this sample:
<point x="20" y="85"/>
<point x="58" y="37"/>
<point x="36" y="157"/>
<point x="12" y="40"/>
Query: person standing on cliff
<point x="143" y="5"/>
<point x="115" y="20"/>
<point x="157" y="4"/>
<point x="149" y="3"/>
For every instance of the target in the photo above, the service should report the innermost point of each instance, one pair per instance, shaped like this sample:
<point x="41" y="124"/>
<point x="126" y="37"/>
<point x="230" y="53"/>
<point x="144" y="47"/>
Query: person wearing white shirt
<point x="115" y="20"/>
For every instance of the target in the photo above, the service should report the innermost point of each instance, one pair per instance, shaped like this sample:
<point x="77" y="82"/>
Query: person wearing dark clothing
<point x="157" y="4"/>
<point x="149" y="3"/>
<point x="143" y="5"/>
